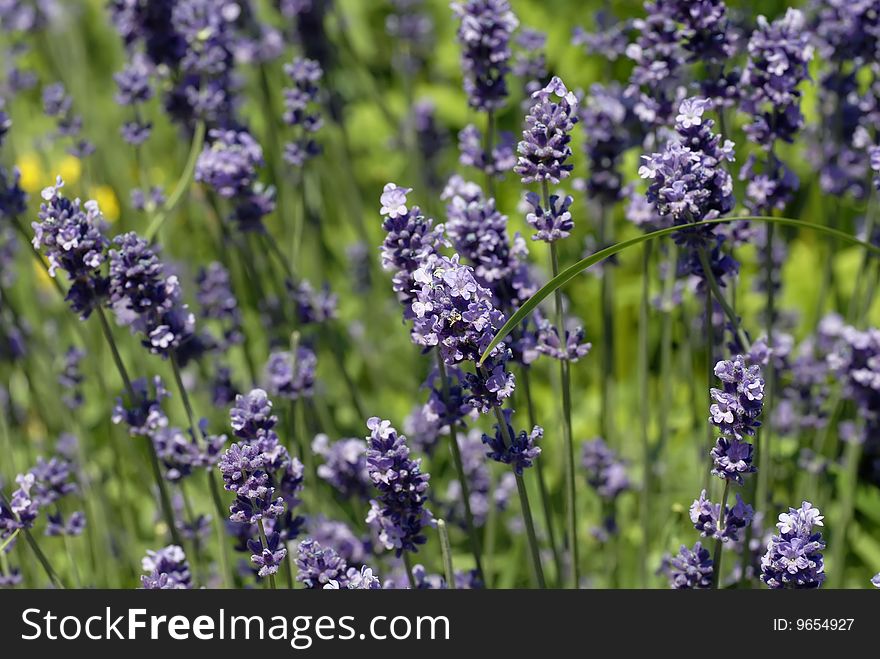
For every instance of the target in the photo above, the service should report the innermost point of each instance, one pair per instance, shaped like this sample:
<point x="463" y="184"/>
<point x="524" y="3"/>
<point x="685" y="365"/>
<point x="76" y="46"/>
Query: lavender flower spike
<point x="398" y="513"/>
<point x="794" y="557"/>
<point x="544" y="149"/>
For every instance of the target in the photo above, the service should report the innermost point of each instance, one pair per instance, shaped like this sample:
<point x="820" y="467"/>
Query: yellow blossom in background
<point x="31" y="173"/>
<point x="42" y="276"/>
<point x="107" y="201"/>
<point x="70" y="169"/>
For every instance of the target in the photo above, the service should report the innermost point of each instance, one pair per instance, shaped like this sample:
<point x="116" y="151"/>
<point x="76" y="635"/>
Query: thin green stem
<point x="534" y="551"/>
<point x="196" y="431"/>
<point x="607" y="296"/>
<point x="722" y="301"/>
<point x="565" y="375"/>
<point x="719" y="544"/>
<point x="32" y="543"/>
<point x="265" y="542"/>
<point x="847" y="482"/>
<point x="183" y="183"/>
<point x="462" y="476"/>
<point x="446" y="553"/>
<point x="644" y="397"/>
<point x="164" y="498"/>
<point x="525" y="380"/>
<point x="407" y="564"/>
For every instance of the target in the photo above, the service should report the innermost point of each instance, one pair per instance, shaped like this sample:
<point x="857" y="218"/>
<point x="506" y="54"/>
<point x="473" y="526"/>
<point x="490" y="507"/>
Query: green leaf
<point x="574" y="270"/>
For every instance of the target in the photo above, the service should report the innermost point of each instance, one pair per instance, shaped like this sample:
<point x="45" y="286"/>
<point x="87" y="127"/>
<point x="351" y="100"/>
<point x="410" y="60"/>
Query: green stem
<point x="407" y="564"/>
<point x="564" y="373"/>
<point x="607" y="296"/>
<point x="542" y="479"/>
<point x="722" y="301"/>
<point x="847" y="487"/>
<point x="212" y="480"/>
<point x="716" y="557"/>
<point x="164" y="498"/>
<point x="446" y="553"/>
<point x="182" y="183"/>
<point x="644" y="396"/>
<point x="666" y="349"/>
<point x="534" y="551"/>
<point x="462" y="476"/>
<point x="265" y="542"/>
<point x="32" y="543"/>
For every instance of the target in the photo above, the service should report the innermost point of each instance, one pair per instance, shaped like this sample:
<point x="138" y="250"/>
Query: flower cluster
<point x="71" y="378"/>
<point x="688" y="180"/>
<point x="300" y="111"/>
<point x="472" y="152"/>
<point x="218" y="302"/>
<point x="690" y="568"/>
<point x="794" y="557"/>
<point x="317" y="565"/>
<point x="151" y="302"/>
<point x="606" y="473"/>
<point x="266" y="481"/>
<point x="518" y="450"/>
<point x="134" y="88"/>
<point x="478" y="233"/>
<point x="59" y="105"/>
<point x="398" y="513"/>
<point x="167" y="569"/>
<point x="71" y="235"/>
<point x="483" y="493"/>
<point x="779" y="56"/>
<point x="345" y="465"/>
<point x="291" y="376"/>
<point x="608" y="124"/>
<point x="228" y="164"/>
<point x="484" y="33"/>
<point x="705" y="516"/>
<point x="544" y="149"/>
<point x="553" y="222"/>
<point x="734" y="411"/>
<point x="40" y="489"/>
<point x="410" y="239"/>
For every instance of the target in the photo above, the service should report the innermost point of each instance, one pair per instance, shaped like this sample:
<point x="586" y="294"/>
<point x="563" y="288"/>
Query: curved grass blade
<point x="574" y="270"/>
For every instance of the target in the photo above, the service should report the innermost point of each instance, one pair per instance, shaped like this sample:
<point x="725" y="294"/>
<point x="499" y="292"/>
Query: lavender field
<point x="337" y="294"/>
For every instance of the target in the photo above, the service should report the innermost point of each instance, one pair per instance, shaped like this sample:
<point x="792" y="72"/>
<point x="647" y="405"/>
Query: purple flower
<point x="687" y="180"/>
<point x="609" y="125"/>
<point x="735" y="408"/>
<point x="478" y="233"/>
<point x="71" y="235"/>
<point x="267" y="559"/>
<point x="606" y="473"/>
<point x="690" y="568"/>
<point x="548" y="342"/>
<point x="544" y="149"/>
<point x="144" y="415"/>
<point x="521" y="452"/>
<point x="300" y="110"/>
<point x="552" y="223"/>
<point x="229" y="163"/>
<point x="732" y="458"/>
<point x="166" y="568"/>
<point x="472" y="153"/>
<point x="218" y="302"/>
<point x="794" y="557"/>
<point x="345" y="465"/>
<point x="410" y="239"/>
<point x="484" y="33"/>
<point x="71" y="378"/>
<point x="779" y="56"/>
<point x="398" y="513"/>
<point x="319" y="566"/>
<point x="291" y="376"/>
<point x="149" y="302"/>
<point x="705" y="516"/>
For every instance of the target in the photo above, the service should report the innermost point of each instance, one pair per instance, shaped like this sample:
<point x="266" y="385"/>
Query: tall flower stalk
<point x="543" y="153"/>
